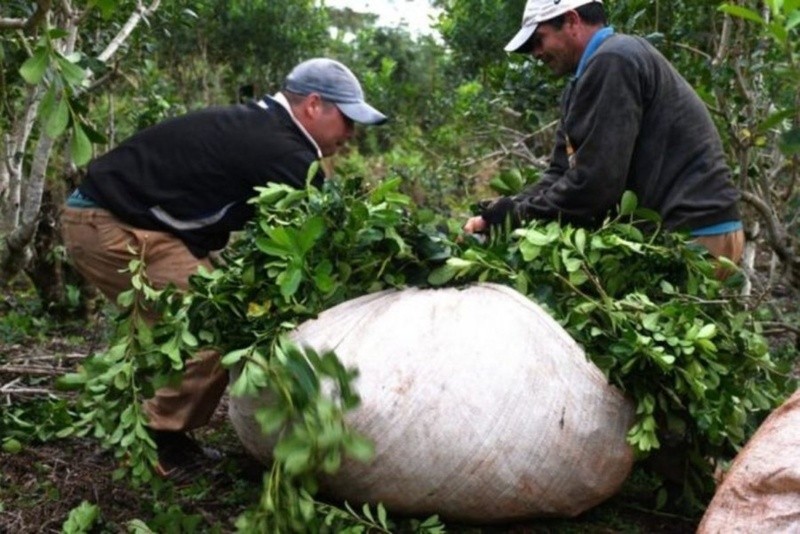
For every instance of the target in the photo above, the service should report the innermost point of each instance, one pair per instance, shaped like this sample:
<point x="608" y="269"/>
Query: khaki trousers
<point x="730" y="245"/>
<point x="99" y="246"/>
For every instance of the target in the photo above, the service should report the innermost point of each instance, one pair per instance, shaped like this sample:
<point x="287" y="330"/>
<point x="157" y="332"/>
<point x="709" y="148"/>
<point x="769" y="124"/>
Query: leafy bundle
<point x="647" y="309"/>
<point x="650" y="312"/>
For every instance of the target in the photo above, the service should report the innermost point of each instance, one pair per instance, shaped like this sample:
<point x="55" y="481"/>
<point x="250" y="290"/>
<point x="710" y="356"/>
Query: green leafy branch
<point x="651" y="315"/>
<point x="143" y="356"/>
<point x="311" y="433"/>
<point x="64" y="79"/>
<point x="646" y="307"/>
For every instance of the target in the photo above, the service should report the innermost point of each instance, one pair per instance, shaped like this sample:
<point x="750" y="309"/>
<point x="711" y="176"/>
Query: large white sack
<point x="481" y="407"/>
<point x="761" y="492"/>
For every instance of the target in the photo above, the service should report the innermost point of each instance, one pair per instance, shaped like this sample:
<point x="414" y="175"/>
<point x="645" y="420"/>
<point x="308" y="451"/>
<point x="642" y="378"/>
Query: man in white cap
<point x="629" y="122"/>
<point x="173" y="192"/>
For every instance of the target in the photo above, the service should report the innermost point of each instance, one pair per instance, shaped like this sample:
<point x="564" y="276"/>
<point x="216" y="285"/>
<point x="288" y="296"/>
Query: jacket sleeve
<point x="293" y="168"/>
<point x="601" y="124"/>
<point x="514" y="209"/>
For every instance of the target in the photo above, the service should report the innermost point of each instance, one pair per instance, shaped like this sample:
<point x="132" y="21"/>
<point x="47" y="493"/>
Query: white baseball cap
<point x="537" y="11"/>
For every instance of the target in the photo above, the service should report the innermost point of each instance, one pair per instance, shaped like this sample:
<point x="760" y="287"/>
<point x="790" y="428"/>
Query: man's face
<point x="332" y="129"/>
<point x="556" y="48"/>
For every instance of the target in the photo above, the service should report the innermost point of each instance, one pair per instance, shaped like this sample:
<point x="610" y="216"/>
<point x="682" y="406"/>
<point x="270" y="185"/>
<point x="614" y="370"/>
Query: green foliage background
<point x="644" y="307"/>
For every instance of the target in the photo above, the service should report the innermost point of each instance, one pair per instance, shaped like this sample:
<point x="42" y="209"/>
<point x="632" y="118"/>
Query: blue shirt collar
<point x="594" y="43"/>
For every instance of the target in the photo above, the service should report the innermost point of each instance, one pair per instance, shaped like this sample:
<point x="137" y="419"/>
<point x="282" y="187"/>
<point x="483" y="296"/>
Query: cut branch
<point x="724" y="42"/>
<point x="780" y="243"/>
<point x="42" y="7"/>
<point x="31" y="370"/>
<point x="138" y="14"/>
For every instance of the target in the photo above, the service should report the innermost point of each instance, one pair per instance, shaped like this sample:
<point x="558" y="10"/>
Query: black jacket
<point x="192" y="175"/>
<point x="631" y="122"/>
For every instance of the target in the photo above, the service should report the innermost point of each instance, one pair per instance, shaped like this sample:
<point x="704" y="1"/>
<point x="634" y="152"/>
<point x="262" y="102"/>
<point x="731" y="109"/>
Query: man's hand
<point x="475" y="225"/>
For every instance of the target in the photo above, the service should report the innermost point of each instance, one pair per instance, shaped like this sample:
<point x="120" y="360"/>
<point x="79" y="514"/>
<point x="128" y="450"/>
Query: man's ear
<point x="572" y="18"/>
<point x="312" y="105"/>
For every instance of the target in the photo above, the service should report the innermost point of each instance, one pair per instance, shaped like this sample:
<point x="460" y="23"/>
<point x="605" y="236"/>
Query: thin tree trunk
<point x="20" y="195"/>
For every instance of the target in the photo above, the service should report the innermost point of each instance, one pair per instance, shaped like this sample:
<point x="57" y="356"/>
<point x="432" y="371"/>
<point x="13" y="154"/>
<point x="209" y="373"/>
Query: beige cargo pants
<point x="98" y="245"/>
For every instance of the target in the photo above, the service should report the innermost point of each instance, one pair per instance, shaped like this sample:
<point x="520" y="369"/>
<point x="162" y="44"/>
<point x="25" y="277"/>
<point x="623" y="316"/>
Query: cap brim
<point x="361" y="112"/>
<point x="517" y="44"/>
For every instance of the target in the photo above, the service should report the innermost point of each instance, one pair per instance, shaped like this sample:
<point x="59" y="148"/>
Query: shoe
<point x="181" y="459"/>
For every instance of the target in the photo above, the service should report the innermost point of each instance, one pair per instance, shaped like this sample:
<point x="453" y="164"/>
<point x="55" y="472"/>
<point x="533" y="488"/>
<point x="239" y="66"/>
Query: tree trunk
<point x="47" y="269"/>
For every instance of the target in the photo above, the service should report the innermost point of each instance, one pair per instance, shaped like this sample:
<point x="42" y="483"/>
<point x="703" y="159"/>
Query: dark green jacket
<point x="631" y="122"/>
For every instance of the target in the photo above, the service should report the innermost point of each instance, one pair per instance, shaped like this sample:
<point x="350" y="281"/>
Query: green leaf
<point x="571" y="264"/>
<point x="126" y="299"/>
<point x="34" y="68"/>
<point x="57" y="122"/>
<point x="628" y="203"/>
<point x="790" y="142"/>
<point x="12" y="446"/>
<point x="311" y="231"/>
<point x="359" y="448"/>
<point x="289" y="281"/>
<point x="71" y="381"/>
<point x="48" y="105"/>
<point x="442" y="275"/>
<point x="580" y="240"/>
<point x="535" y="237"/>
<point x="81" y="147"/>
<point x="234" y="356"/>
<point x="742" y="12"/>
<point x="793" y="20"/>
<point x="57" y="33"/>
<point x="367" y="512"/>
<point x="529" y="251"/>
<point x="270" y="247"/>
<point x="271" y="418"/>
<point x="189" y="339"/>
<point x="298" y="460"/>
<point x="107" y="7"/>
<point x="332" y="462"/>
<point x="708" y="331"/>
<point x="81" y="518"/>
<point x="322" y="276"/>
<point x="72" y="73"/>
<point x="778" y="32"/>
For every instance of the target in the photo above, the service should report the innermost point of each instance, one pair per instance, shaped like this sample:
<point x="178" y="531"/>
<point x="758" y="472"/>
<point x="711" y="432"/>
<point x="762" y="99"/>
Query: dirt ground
<point x="43" y="482"/>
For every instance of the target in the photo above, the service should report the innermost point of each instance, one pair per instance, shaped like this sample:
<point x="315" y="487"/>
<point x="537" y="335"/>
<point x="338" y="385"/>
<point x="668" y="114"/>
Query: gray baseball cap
<point x="335" y="83"/>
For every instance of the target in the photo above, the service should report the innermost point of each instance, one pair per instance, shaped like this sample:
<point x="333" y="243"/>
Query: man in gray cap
<point x="173" y="192"/>
<point x="629" y="122"/>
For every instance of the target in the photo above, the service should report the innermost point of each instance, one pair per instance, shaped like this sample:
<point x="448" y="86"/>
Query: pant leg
<point x="100" y="247"/>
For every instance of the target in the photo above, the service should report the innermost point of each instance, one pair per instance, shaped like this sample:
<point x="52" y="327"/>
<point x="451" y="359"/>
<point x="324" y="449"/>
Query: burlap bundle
<point x="481" y="407"/>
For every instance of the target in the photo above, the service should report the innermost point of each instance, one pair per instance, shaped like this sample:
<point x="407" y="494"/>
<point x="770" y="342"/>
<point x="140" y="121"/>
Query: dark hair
<point x="295" y="99"/>
<point x="591" y="13"/>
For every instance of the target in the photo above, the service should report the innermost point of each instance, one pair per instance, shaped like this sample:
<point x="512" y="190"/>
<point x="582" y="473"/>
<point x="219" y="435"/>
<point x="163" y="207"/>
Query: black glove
<point x="497" y="211"/>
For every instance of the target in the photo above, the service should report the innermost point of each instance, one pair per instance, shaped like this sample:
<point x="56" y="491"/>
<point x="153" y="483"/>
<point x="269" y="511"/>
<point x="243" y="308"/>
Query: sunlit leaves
<point x="742" y="12"/>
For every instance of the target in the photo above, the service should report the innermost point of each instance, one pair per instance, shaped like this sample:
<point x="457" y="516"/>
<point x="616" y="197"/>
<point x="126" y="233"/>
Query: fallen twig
<point x="32" y="370"/>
